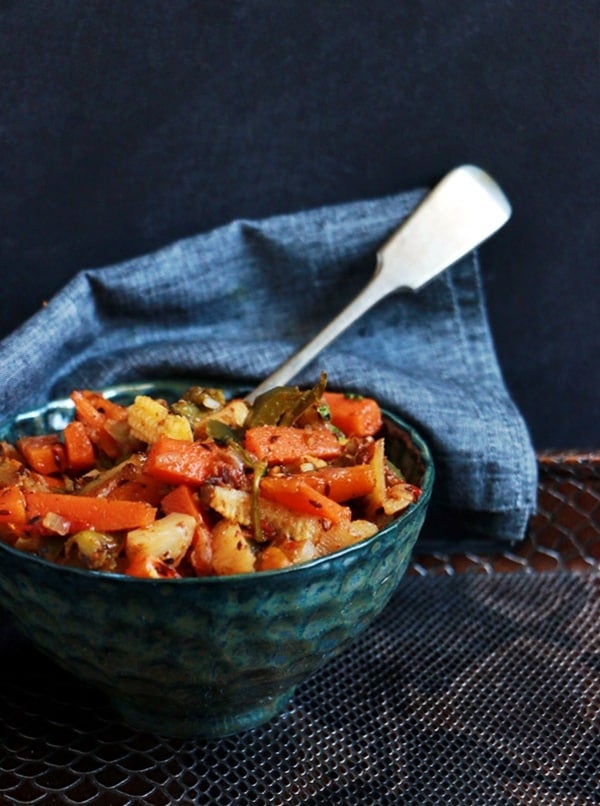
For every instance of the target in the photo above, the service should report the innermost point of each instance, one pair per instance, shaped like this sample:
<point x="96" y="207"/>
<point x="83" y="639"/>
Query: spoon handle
<point x="461" y="211"/>
<point x="371" y="293"/>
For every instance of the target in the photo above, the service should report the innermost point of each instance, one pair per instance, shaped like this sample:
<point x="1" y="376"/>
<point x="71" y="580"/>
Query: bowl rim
<point x="144" y="387"/>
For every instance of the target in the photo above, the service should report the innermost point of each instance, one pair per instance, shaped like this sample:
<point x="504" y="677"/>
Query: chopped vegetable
<point x="45" y="454"/>
<point x="94" y="549"/>
<point x="203" y="486"/>
<point x="88" y="512"/>
<point x="232" y="551"/>
<point x="354" y="415"/>
<point x="233" y="415"/>
<point x="343" y="535"/>
<point x="177" y="461"/>
<point x="13" y="507"/>
<point x="149" y="419"/>
<point x="101" y="418"/>
<point x="341" y="483"/>
<point x="163" y="542"/>
<point x="376" y="497"/>
<point x="280" y="444"/>
<point x="272" y="558"/>
<point x="184" y="500"/>
<point x="79" y="448"/>
<point x="294" y="492"/>
<point x="285" y="405"/>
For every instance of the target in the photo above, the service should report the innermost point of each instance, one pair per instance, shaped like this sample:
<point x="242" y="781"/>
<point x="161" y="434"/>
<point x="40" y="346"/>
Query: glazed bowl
<point x="207" y="657"/>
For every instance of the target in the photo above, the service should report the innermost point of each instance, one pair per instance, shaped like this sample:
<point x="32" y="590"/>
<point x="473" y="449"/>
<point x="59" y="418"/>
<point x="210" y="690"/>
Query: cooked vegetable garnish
<point x="354" y="415"/>
<point x="203" y="486"/>
<point x="284" y="444"/>
<point x="283" y="405"/>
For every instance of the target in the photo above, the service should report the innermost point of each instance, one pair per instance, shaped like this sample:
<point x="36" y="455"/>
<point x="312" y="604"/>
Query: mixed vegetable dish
<point x="202" y="486"/>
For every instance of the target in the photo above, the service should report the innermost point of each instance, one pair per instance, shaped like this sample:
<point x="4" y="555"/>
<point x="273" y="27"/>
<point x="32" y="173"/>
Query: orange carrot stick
<point x="341" y="483"/>
<point x="354" y="416"/>
<point x="12" y="505"/>
<point x="183" y="499"/>
<point x="295" y="493"/>
<point x="91" y="409"/>
<point x="104" y="406"/>
<point x="44" y="454"/>
<point x="278" y="444"/>
<point x="178" y="461"/>
<point x="139" y="487"/>
<point x="87" y="512"/>
<point x="79" y="447"/>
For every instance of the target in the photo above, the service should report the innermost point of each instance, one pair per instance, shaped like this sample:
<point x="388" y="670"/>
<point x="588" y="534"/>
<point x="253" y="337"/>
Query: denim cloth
<point x="232" y="304"/>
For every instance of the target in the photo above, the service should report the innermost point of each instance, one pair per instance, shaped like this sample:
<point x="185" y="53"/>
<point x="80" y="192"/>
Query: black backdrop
<point x="125" y="125"/>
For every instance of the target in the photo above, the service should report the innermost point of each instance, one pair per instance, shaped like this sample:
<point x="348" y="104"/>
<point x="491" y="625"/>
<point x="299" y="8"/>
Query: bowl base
<point x="199" y="725"/>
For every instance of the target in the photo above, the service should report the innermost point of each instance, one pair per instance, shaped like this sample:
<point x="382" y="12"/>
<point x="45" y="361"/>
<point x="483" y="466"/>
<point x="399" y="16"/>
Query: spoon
<point x="462" y="211"/>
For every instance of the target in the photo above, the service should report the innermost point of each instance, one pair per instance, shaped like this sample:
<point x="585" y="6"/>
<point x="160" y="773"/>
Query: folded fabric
<point x="230" y="305"/>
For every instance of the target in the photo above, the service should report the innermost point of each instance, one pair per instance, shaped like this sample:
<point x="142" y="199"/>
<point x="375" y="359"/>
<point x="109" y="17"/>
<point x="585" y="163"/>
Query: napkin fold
<point x="231" y="304"/>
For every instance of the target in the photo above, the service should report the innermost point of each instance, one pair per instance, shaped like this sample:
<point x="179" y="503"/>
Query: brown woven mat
<point x="564" y="533"/>
<point x="478" y="684"/>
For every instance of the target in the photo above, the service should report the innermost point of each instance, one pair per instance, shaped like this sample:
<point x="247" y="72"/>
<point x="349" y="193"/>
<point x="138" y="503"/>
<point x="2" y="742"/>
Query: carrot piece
<point x="12" y="505"/>
<point x="279" y="444"/>
<point x="88" y="512"/>
<point x="354" y="416"/>
<point x="294" y="493"/>
<point x="98" y="415"/>
<point x="104" y="406"/>
<point x="183" y="499"/>
<point x="44" y="454"/>
<point x="178" y="461"/>
<point x="341" y="483"/>
<point x="140" y="487"/>
<point x="79" y="447"/>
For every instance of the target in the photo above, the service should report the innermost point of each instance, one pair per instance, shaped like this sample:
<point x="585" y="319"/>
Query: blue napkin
<point x="231" y="304"/>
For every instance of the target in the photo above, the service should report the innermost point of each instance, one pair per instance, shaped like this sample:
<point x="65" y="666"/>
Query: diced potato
<point x="299" y="551"/>
<point x="233" y="414"/>
<point x="232" y="552"/>
<point x="272" y="558"/>
<point x="167" y="539"/>
<point x="96" y="550"/>
<point x="344" y="534"/>
<point x="398" y="498"/>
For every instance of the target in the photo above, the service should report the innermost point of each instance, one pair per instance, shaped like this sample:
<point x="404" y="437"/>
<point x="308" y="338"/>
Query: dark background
<point x="126" y="125"/>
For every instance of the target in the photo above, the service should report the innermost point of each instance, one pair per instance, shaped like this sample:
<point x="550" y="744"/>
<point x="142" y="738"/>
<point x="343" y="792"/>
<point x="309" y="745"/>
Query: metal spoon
<point x="462" y="211"/>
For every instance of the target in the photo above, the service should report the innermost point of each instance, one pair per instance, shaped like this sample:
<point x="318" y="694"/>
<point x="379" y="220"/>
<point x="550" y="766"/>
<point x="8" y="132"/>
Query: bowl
<point x="208" y="657"/>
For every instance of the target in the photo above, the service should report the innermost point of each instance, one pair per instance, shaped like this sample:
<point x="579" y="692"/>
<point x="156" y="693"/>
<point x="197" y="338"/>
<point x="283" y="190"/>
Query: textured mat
<point x="478" y="684"/>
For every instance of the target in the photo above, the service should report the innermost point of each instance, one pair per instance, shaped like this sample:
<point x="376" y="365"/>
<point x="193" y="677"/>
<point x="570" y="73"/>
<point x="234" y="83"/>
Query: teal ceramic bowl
<point x="207" y="657"/>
